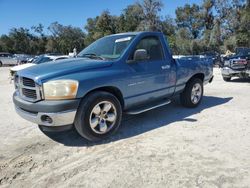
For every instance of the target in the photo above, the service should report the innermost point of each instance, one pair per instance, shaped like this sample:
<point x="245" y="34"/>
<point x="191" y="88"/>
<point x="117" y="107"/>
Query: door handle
<point x="165" y="67"/>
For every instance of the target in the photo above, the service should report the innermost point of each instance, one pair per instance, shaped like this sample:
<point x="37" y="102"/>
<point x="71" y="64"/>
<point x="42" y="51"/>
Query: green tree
<point x="102" y="25"/>
<point x="208" y="20"/>
<point x="64" y="38"/>
<point x="52" y="45"/>
<point x="21" y="38"/>
<point x="105" y="25"/>
<point x="229" y="44"/>
<point x="91" y="29"/>
<point x="183" y="41"/>
<point x="130" y="18"/>
<point x="212" y="25"/>
<point x="228" y="12"/>
<point x="6" y="44"/>
<point x="190" y="17"/>
<point x="151" y="19"/>
<point x="39" y="41"/>
<point x="207" y="14"/>
<point x="215" y="38"/>
<point x="169" y="30"/>
<point x="243" y="33"/>
<point x="168" y="26"/>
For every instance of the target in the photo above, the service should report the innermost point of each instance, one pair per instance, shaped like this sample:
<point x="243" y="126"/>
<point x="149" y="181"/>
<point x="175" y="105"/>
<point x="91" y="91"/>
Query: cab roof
<point x="138" y="33"/>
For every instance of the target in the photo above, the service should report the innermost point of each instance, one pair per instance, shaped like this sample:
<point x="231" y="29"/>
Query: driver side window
<point x="153" y="47"/>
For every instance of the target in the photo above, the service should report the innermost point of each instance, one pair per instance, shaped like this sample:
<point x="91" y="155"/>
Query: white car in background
<point x="38" y="60"/>
<point x="7" y="59"/>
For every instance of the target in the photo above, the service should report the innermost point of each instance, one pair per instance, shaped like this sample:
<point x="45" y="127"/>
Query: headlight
<point x="60" y="89"/>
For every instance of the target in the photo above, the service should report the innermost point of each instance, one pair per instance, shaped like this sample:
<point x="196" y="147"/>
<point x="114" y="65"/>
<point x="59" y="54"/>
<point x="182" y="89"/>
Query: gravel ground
<point x="168" y="147"/>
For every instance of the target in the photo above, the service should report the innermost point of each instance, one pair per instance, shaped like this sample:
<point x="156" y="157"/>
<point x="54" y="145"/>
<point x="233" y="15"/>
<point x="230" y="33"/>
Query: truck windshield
<point x="110" y="47"/>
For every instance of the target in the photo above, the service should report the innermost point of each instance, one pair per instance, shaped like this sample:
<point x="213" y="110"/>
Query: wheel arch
<point x="201" y="76"/>
<point x="110" y="89"/>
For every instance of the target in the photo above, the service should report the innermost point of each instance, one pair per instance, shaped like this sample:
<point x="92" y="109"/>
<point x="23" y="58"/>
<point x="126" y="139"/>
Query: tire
<point x="192" y="96"/>
<point x="226" y="79"/>
<point x="91" y="121"/>
<point x="1" y="64"/>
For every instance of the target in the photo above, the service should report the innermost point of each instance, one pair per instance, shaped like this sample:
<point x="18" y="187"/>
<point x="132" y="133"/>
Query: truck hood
<point x="59" y="68"/>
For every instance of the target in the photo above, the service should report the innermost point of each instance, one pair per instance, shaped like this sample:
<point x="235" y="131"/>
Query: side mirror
<point x="140" y="55"/>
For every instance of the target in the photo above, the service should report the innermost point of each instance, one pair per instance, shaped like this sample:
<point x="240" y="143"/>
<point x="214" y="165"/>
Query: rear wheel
<point x="227" y="79"/>
<point x="98" y="116"/>
<point x="193" y="93"/>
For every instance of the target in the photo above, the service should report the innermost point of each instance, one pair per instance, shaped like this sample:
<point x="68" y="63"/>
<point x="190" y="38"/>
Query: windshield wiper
<point x="92" y="56"/>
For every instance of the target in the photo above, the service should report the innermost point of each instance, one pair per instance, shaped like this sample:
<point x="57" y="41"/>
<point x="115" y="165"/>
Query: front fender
<point x="97" y="78"/>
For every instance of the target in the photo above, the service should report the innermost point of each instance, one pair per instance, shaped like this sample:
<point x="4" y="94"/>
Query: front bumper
<point x="47" y="113"/>
<point x="48" y="119"/>
<point x="228" y="72"/>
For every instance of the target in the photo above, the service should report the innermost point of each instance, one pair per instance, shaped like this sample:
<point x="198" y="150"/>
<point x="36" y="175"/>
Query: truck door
<point x="152" y="78"/>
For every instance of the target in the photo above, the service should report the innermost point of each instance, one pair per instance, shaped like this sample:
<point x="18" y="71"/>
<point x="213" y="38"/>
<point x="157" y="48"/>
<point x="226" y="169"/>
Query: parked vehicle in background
<point x="124" y="73"/>
<point x="22" y="58"/>
<point x="30" y="59"/>
<point x="36" y="61"/>
<point x="240" y="53"/>
<point x="7" y="59"/>
<point x="237" y="65"/>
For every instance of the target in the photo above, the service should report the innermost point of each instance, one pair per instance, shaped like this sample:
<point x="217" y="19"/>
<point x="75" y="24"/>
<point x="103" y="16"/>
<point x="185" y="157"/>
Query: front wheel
<point x="98" y="116"/>
<point x="193" y="93"/>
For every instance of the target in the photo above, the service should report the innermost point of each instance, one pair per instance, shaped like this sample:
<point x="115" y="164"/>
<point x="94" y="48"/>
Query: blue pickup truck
<point x="123" y="73"/>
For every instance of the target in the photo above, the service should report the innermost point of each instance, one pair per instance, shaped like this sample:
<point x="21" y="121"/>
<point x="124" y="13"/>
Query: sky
<point x="26" y="13"/>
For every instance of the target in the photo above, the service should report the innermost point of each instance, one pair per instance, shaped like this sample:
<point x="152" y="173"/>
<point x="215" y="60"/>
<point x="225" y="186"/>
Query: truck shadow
<point x="140" y="124"/>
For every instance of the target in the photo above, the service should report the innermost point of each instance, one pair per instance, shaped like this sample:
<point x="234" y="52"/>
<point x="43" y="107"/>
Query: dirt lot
<point x="168" y="147"/>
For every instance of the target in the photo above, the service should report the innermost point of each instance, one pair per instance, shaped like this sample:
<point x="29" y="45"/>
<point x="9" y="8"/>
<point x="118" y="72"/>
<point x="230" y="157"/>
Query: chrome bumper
<point x="226" y="71"/>
<point x="41" y="118"/>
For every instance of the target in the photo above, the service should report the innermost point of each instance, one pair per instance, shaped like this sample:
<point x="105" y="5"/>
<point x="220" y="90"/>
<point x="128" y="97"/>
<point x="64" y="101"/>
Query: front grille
<point x="30" y="93"/>
<point x="239" y="64"/>
<point x="28" y="82"/>
<point x="27" y="89"/>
